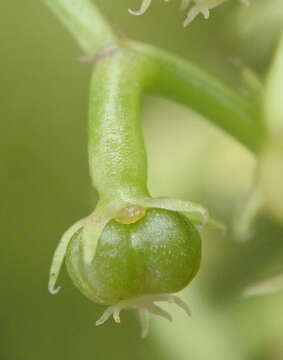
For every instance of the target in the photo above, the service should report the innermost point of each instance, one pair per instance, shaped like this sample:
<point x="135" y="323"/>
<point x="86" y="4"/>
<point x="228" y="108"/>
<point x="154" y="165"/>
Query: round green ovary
<point x="158" y="254"/>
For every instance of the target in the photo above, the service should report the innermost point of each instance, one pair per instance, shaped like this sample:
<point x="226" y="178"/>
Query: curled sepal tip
<point x="144" y="6"/>
<point x="59" y="255"/>
<point x="195" y="11"/>
<point x="145" y="305"/>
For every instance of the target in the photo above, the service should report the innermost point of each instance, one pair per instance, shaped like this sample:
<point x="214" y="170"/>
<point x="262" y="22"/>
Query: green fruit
<point x="158" y="254"/>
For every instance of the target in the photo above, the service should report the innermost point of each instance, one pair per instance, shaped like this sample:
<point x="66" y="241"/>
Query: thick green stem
<point x="116" y="149"/>
<point x="174" y="78"/>
<point x="187" y="84"/>
<point x="85" y="23"/>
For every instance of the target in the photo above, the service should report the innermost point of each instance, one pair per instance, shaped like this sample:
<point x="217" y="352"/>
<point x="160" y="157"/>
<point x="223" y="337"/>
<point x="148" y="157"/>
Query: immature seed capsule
<point x="158" y="254"/>
<point x="133" y="250"/>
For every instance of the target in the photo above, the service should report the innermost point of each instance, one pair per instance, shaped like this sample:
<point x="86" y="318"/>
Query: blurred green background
<point x="45" y="187"/>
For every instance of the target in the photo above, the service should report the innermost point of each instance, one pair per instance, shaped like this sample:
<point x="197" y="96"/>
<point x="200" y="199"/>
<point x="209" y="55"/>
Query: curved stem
<point x="187" y="84"/>
<point x="174" y="78"/>
<point x="85" y="23"/>
<point x="116" y="148"/>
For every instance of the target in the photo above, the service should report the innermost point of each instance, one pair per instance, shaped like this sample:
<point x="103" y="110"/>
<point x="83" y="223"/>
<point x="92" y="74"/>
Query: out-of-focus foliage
<point x="45" y="186"/>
